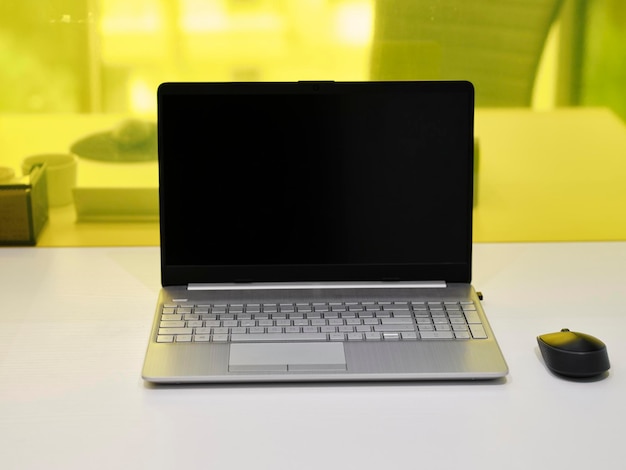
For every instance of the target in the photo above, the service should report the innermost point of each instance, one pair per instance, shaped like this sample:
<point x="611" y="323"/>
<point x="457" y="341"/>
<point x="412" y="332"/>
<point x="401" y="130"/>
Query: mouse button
<point x="584" y="343"/>
<point x="558" y="340"/>
<point x="572" y="341"/>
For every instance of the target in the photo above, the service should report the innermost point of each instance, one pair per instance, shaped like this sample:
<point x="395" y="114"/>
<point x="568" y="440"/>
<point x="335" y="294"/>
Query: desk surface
<point x="74" y="324"/>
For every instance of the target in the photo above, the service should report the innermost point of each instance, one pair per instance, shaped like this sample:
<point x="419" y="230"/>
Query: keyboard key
<point x="472" y="317"/>
<point x="478" y="332"/>
<point x="397" y="321"/>
<point x="396" y="307"/>
<point x="171" y="317"/>
<point x="276" y="337"/>
<point x="393" y="328"/>
<point x="401" y="313"/>
<point x="175" y="331"/>
<point x="437" y="334"/>
<point x="390" y="336"/>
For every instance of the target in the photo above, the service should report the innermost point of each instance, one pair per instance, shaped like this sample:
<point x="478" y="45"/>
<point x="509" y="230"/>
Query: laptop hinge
<point x="321" y="285"/>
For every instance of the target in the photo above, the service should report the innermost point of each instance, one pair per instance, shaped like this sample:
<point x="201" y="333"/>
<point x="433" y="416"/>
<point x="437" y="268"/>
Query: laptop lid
<point x="315" y="181"/>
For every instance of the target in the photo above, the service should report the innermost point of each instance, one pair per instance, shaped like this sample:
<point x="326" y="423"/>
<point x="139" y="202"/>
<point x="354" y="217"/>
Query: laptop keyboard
<point x="319" y="321"/>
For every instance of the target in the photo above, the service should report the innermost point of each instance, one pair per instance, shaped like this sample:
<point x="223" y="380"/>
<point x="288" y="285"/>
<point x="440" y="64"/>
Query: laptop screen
<point x="320" y="181"/>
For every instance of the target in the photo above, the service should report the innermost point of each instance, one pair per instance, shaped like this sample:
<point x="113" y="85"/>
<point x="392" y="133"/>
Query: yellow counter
<point x="541" y="176"/>
<point x="550" y="176"/>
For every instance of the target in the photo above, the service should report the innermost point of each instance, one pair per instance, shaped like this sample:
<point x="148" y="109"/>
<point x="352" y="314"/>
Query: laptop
<point x="317" y="231"/>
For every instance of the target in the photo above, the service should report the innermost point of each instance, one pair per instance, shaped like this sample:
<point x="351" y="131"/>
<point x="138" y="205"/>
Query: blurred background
<point x="94" y="56"/>
<point x="550" y="81"/>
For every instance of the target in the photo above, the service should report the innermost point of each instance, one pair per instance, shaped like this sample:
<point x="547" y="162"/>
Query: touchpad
<point x="279" y="357"/>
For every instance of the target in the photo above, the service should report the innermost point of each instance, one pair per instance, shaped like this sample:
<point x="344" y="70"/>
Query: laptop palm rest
<point x="278" y="357"/>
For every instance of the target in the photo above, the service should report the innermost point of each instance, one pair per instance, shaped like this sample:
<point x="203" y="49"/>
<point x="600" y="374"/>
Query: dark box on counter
<point x="23" y="208"/>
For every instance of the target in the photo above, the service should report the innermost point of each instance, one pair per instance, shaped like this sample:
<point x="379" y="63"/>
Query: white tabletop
<point x="74" y="325"/>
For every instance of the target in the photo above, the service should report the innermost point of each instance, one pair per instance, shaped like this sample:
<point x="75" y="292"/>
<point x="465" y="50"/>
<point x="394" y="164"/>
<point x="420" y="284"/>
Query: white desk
<point x="74" y="324"/>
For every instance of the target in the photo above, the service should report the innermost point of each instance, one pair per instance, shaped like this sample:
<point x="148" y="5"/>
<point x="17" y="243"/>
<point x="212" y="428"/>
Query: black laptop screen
<point x="315" y="182"/>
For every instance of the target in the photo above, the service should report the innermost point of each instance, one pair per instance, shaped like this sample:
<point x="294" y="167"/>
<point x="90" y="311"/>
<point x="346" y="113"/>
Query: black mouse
<point x="573" y="354"/>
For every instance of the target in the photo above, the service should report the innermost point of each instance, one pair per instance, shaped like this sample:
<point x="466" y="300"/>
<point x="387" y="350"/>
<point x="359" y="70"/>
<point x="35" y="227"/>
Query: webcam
<point x="315" y="85"/>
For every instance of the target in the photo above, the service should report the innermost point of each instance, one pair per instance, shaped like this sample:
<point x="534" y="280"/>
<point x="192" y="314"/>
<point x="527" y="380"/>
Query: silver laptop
<point x="317" y="231"/>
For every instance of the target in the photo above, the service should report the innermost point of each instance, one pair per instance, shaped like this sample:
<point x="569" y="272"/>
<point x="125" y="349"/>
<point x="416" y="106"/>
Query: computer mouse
<point x="573" y="354"/>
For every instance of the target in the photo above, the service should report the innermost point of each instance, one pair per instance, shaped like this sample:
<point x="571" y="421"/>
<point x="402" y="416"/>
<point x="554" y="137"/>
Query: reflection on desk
<point x="74" y="324"/>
